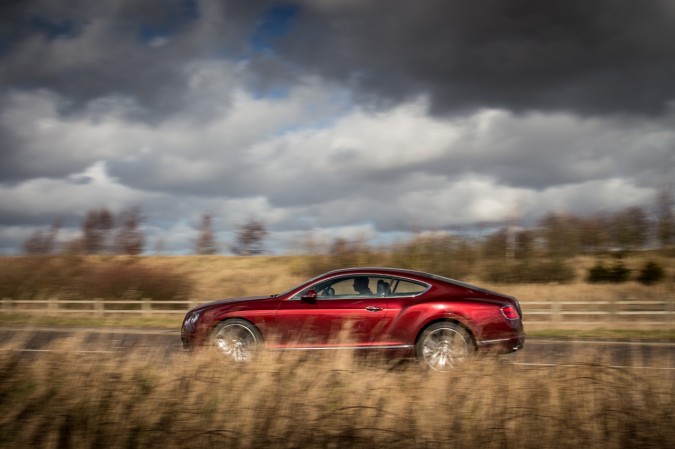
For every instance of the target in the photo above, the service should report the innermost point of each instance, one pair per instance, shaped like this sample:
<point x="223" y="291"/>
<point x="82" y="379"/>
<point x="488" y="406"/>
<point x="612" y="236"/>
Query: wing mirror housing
<point x="309" y="296"/>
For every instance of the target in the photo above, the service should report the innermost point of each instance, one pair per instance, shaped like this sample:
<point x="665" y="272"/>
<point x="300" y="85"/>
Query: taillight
<point x="510" y="312"/>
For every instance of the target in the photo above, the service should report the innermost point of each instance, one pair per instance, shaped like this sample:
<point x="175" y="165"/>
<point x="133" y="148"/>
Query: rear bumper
<point x="502" y="345"/>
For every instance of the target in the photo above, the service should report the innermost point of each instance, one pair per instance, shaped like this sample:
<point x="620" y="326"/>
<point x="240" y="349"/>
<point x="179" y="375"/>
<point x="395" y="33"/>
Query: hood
<point x="232" y="301"/>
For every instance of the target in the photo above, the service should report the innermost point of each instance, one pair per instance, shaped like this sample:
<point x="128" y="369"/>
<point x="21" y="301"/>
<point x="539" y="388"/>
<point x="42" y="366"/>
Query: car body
<point x="439" y="320"/>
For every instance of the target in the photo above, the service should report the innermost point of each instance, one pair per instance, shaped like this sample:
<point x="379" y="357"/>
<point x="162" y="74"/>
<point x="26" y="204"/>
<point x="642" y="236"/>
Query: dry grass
<point x="214" y="277"/>
<point x="223" y="276"/>
<point x="67" y="399"/>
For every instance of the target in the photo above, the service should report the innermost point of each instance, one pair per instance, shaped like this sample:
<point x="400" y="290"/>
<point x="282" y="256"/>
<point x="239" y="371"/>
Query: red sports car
<point x="440" y="321"/>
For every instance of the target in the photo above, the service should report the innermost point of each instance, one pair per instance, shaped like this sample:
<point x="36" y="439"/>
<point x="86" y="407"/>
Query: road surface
<point x="538" y="352"/>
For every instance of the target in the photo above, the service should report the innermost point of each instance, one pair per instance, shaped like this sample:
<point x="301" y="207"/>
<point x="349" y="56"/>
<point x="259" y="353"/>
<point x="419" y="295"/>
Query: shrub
<point x="131" y="280"/>
<point x="617" y="273"/>
<point x="597" y="273"/>
<point x="539" y="272"/>
<point x="651" y="273"/>
<point x="90" y="277"/>
<point x="28" y="277"/>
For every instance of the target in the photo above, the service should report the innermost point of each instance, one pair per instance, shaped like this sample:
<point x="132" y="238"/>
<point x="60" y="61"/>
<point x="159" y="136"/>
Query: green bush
<point x="617" y="273"/>
<point x="651" y="273"/>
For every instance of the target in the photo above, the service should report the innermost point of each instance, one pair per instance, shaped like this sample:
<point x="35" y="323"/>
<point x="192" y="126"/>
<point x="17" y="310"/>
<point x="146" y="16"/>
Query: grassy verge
<point x="610" y="334"/>
<point x="65" y="399"/>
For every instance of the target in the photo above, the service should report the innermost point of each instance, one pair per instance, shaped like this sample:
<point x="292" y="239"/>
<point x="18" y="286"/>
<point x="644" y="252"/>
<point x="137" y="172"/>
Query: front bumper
<point x="187" y="343"/>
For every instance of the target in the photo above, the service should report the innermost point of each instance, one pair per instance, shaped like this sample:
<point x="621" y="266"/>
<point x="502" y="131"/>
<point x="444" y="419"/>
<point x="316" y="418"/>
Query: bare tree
<point x="129" y="239"/>
<point x="250" y="238"/>
<point x="96" y="231"/>
<point x="595" y="232"/>
<point x="42" y="242"/>
<point x="495" y="244"/>
<point x="561" y="233"/>
<point x="630" y="228"/>
<point x="206" y="242"/>
<point x="665" y="221"/>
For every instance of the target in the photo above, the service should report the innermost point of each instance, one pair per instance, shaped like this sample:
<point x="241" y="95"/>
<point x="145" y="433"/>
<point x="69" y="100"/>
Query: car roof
<point x="404" y="272"/>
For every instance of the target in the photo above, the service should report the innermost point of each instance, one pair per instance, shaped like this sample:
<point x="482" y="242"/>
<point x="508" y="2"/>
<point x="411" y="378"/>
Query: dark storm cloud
<point x="581" y="56"/>
<point x="85" y="50"/>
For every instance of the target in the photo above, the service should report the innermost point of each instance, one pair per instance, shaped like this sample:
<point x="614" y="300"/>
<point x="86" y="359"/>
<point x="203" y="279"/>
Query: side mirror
<point x="309" y="296"/>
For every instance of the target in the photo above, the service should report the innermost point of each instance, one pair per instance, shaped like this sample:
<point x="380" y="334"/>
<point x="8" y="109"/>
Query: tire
<point x="237" y="340"/>
<point x="444" y="346"/>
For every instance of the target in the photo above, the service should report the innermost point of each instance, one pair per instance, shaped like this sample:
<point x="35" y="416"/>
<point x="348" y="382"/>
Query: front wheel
<point x="237" y="340"/>
<point x="443" y="346"/>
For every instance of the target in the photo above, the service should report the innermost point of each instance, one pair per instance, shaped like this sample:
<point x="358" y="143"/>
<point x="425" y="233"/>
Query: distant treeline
<point x="556" y="235"/>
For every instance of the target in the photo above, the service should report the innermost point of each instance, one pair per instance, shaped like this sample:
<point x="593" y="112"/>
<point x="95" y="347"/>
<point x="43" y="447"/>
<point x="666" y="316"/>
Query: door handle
<point x="373" y="309"/>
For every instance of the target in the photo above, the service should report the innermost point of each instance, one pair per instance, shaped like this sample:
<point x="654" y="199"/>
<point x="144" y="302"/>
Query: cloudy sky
<point x="368" y="118"/>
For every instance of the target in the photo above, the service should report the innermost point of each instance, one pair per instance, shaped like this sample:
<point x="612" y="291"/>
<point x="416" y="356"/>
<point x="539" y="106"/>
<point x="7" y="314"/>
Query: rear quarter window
<point x="407" y="288"/>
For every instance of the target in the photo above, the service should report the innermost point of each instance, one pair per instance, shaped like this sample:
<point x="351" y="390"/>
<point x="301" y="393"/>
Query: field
<point x="69" y="399"/>
<point x="212" y="277"/>
<point x="198" y="279"/>
<point x="218" y="277"/>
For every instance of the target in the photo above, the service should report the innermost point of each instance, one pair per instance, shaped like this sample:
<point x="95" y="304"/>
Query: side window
<point x="349" y="287"/>
<point x="403" y="287"/>
<point x="344" y="287"/>
<point x="367" y="286"/>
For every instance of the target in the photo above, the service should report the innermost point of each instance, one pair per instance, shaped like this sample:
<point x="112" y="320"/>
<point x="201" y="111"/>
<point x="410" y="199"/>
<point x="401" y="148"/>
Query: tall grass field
<point x="68" y="398"/>
<point x="73" y="397"/>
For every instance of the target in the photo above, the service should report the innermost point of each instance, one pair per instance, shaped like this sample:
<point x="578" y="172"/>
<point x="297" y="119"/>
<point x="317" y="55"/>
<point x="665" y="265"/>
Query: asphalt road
<point x="538" y="352"/>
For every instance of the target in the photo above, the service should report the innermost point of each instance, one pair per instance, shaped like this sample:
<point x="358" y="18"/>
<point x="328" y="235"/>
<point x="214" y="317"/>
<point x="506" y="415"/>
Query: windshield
<point x="286" y="292"/>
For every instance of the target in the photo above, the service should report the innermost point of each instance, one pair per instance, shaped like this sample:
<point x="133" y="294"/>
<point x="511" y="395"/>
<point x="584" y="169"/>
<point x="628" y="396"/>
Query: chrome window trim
<point x="426" y="285"/>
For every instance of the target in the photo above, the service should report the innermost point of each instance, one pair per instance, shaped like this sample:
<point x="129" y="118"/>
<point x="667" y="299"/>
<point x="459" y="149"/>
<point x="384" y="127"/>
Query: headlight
<point x="190" y="322"/>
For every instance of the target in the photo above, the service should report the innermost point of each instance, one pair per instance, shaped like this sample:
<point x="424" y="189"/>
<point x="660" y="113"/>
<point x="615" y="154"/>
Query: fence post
<point x="99" y="306"/>
<point x="613" y="311"/>
<point x="146" y="306"/>
<point x="7" y="305"/>
<point x="53" y="304"/>
<point x="556" y="309"/>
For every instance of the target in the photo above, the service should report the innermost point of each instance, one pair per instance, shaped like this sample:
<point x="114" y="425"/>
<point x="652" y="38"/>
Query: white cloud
<point x="304" y="161"/>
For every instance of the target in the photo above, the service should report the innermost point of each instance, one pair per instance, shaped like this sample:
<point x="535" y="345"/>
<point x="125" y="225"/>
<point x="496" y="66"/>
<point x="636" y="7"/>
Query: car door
<point x="338" y="316"/>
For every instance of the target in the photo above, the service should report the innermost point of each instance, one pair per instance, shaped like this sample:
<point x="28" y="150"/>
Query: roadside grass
<point x="68" y="399"/>
<point x="604" y="333"/>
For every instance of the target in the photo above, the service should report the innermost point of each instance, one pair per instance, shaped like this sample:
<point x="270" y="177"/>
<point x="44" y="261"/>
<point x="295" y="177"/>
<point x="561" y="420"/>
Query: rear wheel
<point x="443" y="346"/>
<point x="237" y="340"/>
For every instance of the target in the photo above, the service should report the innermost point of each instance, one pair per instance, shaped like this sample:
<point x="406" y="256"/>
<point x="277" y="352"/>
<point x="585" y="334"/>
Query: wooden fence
<point x="535" y="313"/>
<point x="96" y="307"/>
